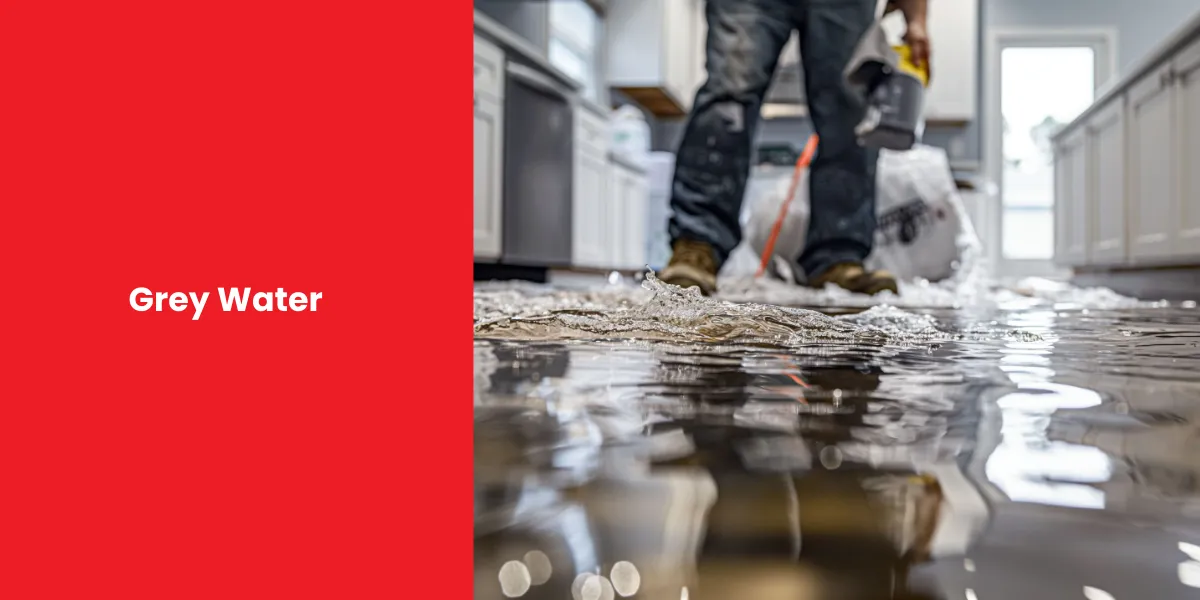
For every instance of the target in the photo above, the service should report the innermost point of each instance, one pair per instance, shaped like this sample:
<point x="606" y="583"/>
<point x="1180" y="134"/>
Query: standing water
<point x="650" y="443"/>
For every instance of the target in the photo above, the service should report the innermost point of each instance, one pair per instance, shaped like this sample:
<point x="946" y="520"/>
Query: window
<point x="574" y="45"/>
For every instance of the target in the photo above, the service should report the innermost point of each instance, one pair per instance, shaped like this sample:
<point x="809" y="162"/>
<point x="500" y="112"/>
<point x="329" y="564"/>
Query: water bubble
<point x="539" y="566"/>
<point x="831" y="457"/>
<point x="596" y="587"/>
<point x="577" y="585"/>
<point x="625" y="578"/>
<point x="1188" y="304"/>
<point x="514" y="579"/>
<point x="1092" y="593"/>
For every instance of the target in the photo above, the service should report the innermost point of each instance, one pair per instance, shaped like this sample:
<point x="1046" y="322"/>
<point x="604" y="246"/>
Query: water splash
<point x="664" y="312"/>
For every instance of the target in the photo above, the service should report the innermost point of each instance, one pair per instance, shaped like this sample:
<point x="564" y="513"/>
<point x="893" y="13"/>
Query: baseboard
<point x="1162" y="283"/>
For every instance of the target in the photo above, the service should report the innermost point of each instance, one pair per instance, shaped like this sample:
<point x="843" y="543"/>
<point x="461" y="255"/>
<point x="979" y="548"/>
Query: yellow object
<point x="908" y="66"/>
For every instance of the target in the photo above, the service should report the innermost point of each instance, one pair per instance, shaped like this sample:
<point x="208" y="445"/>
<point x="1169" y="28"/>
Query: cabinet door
<point x="1106" y="144"/>
<point x="1151" y="171"/>
<point x="678" y="72"/>
<point x="1071" y="200"/>
<point x="954" y="30"/>
<point x="618" y="190"/>
<point x="1187" y="78"/>
<point x="636" y="200"/>
<point x="489" y="137"/>
<point x="489" y="70"/>
<point x="1062" y="203"/>
<point x="590" y="216"/>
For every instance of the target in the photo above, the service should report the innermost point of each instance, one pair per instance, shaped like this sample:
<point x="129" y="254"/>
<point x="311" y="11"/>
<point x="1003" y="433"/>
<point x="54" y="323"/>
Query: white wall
<point x="1140" y="24"/>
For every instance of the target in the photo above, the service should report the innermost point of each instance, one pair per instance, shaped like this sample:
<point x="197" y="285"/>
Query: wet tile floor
<point x="663" y="446"/>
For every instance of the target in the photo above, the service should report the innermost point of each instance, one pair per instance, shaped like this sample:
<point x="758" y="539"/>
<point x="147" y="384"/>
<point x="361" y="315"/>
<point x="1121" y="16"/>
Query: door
<point x="1187" y="78"/>
<point x="1038" y="82"/>
<point x="1151" y="171"/>
<point x="489" y="145"/>
<point x="1106" y="145"/>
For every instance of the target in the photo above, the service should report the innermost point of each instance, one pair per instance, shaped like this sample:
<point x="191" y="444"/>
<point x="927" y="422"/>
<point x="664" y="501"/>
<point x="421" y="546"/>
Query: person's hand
<point x="917" y="39"/>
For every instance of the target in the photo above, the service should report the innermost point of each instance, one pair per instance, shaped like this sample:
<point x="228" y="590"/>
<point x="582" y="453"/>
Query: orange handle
<point x="801" y="164"/>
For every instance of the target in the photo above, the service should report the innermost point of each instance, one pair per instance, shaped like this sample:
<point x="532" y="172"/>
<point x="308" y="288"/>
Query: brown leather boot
<point x="853" y="277"/>
<point x="693" y="264"/>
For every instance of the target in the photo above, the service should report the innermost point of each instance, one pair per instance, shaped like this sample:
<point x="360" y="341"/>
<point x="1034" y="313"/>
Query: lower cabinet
<point x="1071" y="206"/>
<point x="590" y="227"/>
<point x="1187" y="78"/>
<point x="630" y="196"/>
<point x="1106" y="145"/>
<point x="590" y="221"/>
<point x="1151" y="172"/>
<point x="1127" y="188"/>
<point x="489" y="188"/>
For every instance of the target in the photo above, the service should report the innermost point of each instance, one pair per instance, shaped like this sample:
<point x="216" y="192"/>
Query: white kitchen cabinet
<point x="630" y="197"/>
<point x="1187" y="91"/>
<point x="489" y="150"/>
<point x="954" y="34"/>
<point x="652" y="52"/>
<point x="489" y="69"/>
<point x="590" y="197"/>
<point x="1072" y="180"/>
<point x="1106" y="150"/>
<point x="1151" y="168"/>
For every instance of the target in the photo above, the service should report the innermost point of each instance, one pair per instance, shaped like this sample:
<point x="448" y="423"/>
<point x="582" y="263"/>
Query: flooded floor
<point x="648" y="443"/>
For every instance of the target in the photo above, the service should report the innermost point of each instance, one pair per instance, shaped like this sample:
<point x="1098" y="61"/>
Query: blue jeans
<point x="745" y="38"/>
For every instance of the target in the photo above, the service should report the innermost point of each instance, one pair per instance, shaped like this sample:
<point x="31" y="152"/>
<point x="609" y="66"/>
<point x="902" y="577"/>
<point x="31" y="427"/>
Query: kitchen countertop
<point x="1163" y="51"/>
<point x="625" y="163"/>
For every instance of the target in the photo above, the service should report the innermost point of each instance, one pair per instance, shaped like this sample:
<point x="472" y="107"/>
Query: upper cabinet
<point x="656" y="52"/>
<point x="954" y="40"/>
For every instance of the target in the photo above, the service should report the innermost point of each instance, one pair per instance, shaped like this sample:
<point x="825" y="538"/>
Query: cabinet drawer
<point x="591" y="133"/>
<point x="489" y="69"/>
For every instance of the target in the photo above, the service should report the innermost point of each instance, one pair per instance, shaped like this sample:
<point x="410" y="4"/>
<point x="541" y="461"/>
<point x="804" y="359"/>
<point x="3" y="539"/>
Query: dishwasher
<point x="538" y="143"/>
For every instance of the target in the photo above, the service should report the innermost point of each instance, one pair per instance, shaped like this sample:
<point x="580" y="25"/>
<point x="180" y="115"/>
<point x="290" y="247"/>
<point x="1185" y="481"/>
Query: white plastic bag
<point x="920" y="216"/>
<point x="765" y="211"/>
<point x="922" y="226"/>
<point x="631" y="135"/>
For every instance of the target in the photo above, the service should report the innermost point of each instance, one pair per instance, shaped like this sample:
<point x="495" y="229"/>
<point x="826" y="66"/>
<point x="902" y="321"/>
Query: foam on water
<point x="664" y="312"/>
<point x="970" y="286"/>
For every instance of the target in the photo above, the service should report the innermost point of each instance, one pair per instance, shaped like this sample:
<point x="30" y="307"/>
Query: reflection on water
<point x="681" y="448"/>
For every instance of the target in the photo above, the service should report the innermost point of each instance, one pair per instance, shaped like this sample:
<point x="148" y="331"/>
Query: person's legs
<point x="842" y="177"/>
<point x="745" y="38"/>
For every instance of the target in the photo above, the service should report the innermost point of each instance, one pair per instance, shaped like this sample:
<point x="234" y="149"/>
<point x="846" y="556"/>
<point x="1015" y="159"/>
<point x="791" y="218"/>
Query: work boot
<point x="693" y="264"/>
<point x="853" y="277"/>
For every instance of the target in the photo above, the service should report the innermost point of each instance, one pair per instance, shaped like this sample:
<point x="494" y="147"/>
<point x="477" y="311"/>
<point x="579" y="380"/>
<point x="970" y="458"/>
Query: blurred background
<point x="1071" y="127"/>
